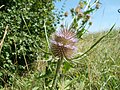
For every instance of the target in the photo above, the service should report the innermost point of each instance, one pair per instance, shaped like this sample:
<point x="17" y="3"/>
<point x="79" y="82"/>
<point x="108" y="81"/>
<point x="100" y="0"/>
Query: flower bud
<point x="72" y="10"/>
<point x="81" y="5"/>
<point x="90" y="23"/>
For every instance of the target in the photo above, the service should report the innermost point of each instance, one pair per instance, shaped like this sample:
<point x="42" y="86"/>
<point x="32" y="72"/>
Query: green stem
<point x="25" y="23"/>
<point x="95" y="43"/>
<point x="56" y="73"/>
<point x="46" y="36"/>
<point x="32" y="37"/>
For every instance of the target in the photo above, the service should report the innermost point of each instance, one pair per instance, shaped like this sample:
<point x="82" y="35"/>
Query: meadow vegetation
<point x="28" y="61"/>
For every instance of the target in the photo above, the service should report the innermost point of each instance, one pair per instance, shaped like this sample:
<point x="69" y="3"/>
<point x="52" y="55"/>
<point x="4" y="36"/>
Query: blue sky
<point x="103" y="19"/>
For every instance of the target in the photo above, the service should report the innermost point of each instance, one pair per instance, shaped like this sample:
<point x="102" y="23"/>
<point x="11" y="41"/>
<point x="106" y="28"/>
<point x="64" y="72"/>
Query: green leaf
<point x="67" y="66"/>
<point x="89" y="11"/>
<point x="81" y="32"/>
<point x="1" y="74"/>
<point x="35" y="88"/>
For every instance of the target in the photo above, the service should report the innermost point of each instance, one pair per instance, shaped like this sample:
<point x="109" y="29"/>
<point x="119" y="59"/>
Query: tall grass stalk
<point x="95" y="43"/>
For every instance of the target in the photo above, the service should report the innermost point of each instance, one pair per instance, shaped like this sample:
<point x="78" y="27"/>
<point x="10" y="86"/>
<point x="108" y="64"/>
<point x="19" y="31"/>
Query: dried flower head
<point x="77" y="9"/>
<point x="80" y="15"/>
<point x="66" y="14"/>
<point x="87" y="16"/>
<point x="97" y="5"/>
<point x="63" y="43"/>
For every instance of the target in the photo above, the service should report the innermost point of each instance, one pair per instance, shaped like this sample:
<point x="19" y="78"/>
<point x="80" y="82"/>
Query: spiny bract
<point x="63" y="43"/>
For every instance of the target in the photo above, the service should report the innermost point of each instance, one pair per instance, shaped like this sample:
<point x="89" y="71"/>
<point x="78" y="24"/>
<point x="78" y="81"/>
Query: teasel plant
<point x="63" y="42"/>
<point x="63" y="46"/>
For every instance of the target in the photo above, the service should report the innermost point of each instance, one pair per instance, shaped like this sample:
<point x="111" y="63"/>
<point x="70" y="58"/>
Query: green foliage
<point x="99" y="70"/>
<point x="26" y="61"/>
<point x="102" y="63"/>
<point x="26" y="33"/>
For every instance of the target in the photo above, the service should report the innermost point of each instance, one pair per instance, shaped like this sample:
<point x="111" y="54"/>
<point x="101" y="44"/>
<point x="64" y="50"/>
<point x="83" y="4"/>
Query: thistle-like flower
<point x="63" y="43"/>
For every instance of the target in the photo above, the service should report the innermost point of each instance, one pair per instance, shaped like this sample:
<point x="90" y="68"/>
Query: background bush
<point x="26" y="33"/>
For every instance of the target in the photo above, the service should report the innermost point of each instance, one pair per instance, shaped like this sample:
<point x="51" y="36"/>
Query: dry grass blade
<point x="2" y="6"/>
<point x="2" y="41"/>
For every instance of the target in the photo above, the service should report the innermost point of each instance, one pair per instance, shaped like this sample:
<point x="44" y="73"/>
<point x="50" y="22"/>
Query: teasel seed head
<point x="87" y="16"/>
<point x="63" y="43"/>
<point x="97" y="5"/>
<point x="80" y="15"/>
<point x="77" y="9"/>
<point x="66" y="14"/>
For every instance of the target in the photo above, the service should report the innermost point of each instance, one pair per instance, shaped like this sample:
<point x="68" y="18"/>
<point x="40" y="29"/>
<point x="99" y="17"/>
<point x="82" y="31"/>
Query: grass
<point x="103" y="62"/>
<point x="99" y="70"/>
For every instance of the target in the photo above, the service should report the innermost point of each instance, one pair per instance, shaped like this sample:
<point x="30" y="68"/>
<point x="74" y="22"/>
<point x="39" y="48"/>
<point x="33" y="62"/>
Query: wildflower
<point x="63" y="43"/>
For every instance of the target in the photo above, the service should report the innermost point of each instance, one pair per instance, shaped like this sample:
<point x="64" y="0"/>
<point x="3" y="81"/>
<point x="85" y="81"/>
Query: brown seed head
<point x="66" y="14"/>
<point x="77" y="9"/>
<point x="80" y="15"/>
<point x="97" y="6"/>
<point x="87" y="16"/>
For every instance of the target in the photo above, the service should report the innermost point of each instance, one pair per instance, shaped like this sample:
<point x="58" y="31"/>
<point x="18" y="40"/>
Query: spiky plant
<point x="63" y="46"/>
<point x="63" y="43"/>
